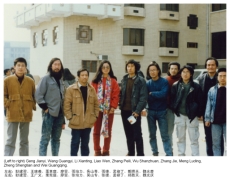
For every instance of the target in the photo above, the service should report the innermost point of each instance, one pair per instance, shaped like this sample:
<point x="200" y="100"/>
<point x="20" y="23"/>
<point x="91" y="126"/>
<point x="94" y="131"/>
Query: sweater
<point x="157" y="94"/>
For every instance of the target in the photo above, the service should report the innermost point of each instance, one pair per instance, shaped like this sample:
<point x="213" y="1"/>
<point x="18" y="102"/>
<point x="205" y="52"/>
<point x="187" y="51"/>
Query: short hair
<point x="211" y="58"/>
<point x="6" y="70"/>
<point x="190" y="69"/>
<point x="12" y="68"/>
<point x="173" y="63"/>
<point x="135" y="63"/>
<point x="81" y="70"/>
<point x="20" y="59"/>
<point x="221" y="70"/>
<point x="153" y="63"/>
<point x="51" y="63"/>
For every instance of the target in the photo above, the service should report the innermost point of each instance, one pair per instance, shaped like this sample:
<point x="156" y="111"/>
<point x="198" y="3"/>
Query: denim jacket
<point x="48" y="92"/>
<point x="211" y="104"/>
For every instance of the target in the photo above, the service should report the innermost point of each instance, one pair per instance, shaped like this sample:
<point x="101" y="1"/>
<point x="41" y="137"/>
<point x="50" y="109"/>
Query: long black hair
<point x="49" y="69"/>
<point x="67" y="75"/>
<point x="99" y="72"/>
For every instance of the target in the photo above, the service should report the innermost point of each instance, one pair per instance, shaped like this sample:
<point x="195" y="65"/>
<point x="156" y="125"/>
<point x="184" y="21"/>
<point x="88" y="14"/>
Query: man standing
<point x="81" y="108"/>
<point x="173" y="76"/>
<point x="49" y="96"/>
<point x="157" y="104"/>
<point x="186" y="103"/>
<point x="207" y="81"/>
<point x="7" y="73"/>
<point x="216" y="111"/>
<point x="12" y="70"/>
<point x="133" y="99"/>
<point x="19" y="102"/>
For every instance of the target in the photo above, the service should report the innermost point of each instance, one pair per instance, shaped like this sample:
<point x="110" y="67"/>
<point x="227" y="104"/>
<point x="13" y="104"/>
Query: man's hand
<point x="207" y="124"/>
<point x="135" y="114"/>
<point x="111" y="110"/>
<point x="46" y="111"/>
<point x="200" y="118"/>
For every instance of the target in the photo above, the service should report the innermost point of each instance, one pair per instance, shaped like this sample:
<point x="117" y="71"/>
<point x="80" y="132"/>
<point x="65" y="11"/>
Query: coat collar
<point x="76" y="85"/>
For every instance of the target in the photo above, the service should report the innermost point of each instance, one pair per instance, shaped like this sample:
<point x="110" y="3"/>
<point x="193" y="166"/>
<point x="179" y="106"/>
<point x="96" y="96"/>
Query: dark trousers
<point x="133" y="134"/>
<point x="208" y="138"/>
<point x="80" y="136"/>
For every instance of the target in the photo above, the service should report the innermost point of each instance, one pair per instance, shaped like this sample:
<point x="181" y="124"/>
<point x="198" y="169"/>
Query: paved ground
<point x="118" y="143"/>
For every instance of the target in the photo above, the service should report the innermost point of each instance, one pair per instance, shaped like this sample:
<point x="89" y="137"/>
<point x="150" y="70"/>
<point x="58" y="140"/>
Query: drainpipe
<point x="208" y="31"/>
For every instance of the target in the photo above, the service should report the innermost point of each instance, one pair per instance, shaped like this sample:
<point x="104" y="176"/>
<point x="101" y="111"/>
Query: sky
<point x="11" y="32"/>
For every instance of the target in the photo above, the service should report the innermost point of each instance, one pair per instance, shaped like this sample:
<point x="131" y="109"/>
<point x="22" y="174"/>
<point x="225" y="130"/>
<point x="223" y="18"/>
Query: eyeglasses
<point x="106" y="67"/>
<point x="153" y="70"/>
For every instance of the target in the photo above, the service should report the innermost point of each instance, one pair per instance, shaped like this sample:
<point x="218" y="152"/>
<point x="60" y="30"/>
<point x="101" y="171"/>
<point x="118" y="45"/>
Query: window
<point x="89" y="65"/>
<point x="133" y="37"/>
<point x="44" y="37"/>
<point x="35" y="39"/>
<point x="165" y="67"/>
<point x="218" y="7"/>
<point x="55" y="35"/>
<point x="192" y="21"/>
<point x="170" y="7"/>
<point x="219" y="45"/>
<point x="169" y="39"/>
<point x="192" y="45"/>
<point x="84" y="34"/>
<point x="135" y="5"/>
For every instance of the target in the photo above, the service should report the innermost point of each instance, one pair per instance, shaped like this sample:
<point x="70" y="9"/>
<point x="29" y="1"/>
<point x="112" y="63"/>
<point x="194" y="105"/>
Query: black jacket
<point x="202" y="82"/>
<point x="193" y="99"/>
<point x="139" y="94"/>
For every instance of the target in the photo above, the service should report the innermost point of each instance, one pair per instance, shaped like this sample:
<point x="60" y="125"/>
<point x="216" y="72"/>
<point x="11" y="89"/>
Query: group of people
<point x="174" y="100"/>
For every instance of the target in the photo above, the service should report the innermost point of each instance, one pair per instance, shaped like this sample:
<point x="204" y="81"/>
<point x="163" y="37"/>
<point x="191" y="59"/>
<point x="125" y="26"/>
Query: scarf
<point x="104" y="103"/>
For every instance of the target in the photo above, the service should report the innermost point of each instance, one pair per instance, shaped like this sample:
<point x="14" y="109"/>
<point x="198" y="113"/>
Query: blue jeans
<point x="208" y="139"/>
<point x="80" y="136"/>
<point x="152" y="116"/>
<point x="218" y="130"/>
<point x="51" y="127"/>
<point x="170" y="120"/>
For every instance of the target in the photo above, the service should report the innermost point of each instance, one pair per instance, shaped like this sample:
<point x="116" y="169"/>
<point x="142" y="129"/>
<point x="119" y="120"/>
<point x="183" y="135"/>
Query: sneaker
<point x="155" y="154"/>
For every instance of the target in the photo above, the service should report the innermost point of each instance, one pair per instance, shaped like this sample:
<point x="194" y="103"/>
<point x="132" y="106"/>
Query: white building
<point x="83" y="34"/>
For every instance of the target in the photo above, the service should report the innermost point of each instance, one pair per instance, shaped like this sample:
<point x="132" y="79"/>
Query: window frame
<point x="128" y="37"/>
<point x="90" y="69"/>
<point x="166" y="40"/>
<point x="192" y="45"/>
<point x="169" y="7"/>
<point x="220" y="8"/>
<point x="218" y="48"/>
<point x="135" y="5"/>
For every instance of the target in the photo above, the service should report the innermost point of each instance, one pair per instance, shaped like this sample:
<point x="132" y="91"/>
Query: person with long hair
<point x="68" y="78"/>
<point x="107" y="89"/>
<point x="50" y="95"/>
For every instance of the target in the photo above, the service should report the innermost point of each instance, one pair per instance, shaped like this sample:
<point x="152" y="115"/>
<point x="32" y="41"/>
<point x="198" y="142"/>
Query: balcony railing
<point x="45" y="12"/>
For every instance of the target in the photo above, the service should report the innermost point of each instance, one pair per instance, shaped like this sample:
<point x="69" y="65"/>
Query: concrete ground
<point x="118" y="142"/>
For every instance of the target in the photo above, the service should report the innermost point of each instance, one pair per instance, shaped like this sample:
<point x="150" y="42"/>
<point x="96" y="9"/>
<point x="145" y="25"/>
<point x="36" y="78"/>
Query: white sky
<point x="11" y="32"/>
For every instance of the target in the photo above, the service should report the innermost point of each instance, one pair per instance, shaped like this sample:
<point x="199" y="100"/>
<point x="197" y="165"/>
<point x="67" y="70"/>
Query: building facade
<point x="82" y="35"/>
<point x="13" y="50"/>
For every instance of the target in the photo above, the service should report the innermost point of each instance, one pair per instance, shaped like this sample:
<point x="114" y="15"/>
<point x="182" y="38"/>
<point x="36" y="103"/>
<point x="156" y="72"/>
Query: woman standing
<point x="107" y="89"/>
<point x="68" y="78"/>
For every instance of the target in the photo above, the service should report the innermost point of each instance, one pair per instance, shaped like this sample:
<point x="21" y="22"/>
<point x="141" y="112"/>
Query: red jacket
<point x="115" y="92"/>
